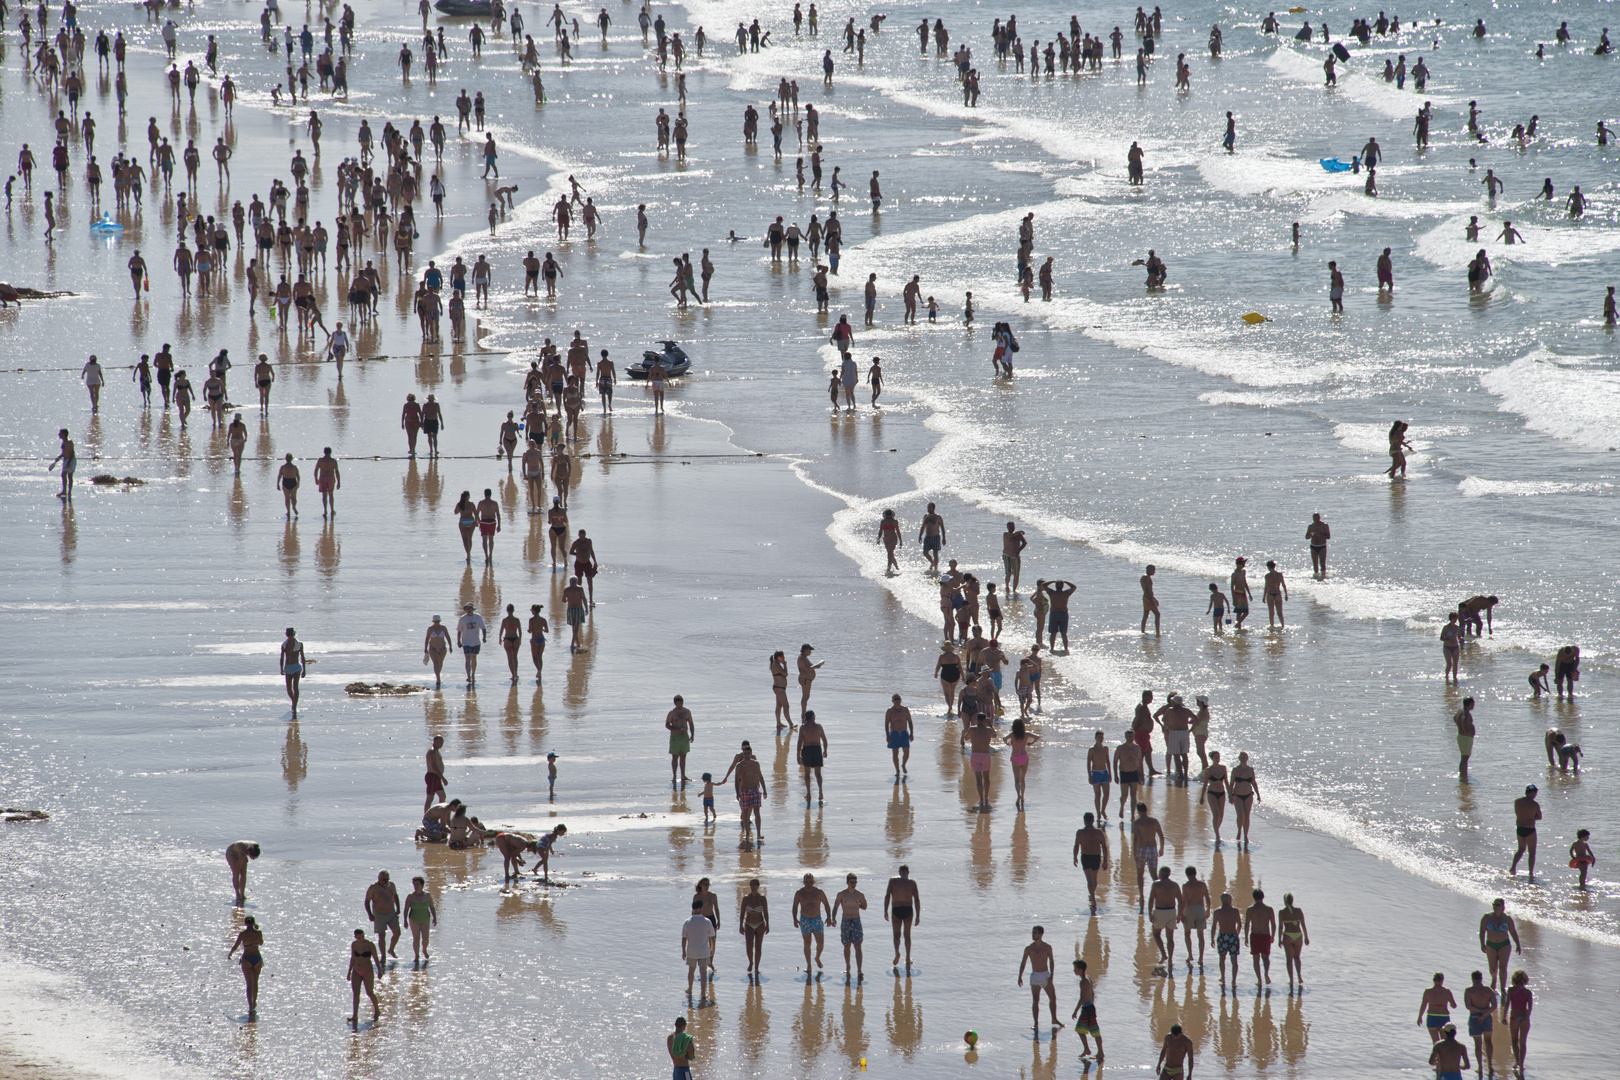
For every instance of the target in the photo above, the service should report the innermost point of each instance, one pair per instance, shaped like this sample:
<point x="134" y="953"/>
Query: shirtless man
<point x="1147" y="844"/>
<point x="1240" y="593"/>
<point x="812" y="753"/>
<point x="1276" y="591"/>
<point x="1317" y="534"/>
<point x="807" y="675"/>
<point x="902" y="909"/>
<point x="1150" y="603"/>
<point x="1128" y="770"/>
<point x="1098" y="766"/>
<point x="1038" y="958"/>
<point x="750" y="788"/>
<point x="584" y="552"/>
<point x="808" y="903"/>
<point x="1434" y="1008"/>
<point x="1142" y="730"/>
<point x="1464" y="719"/>
<point x="1526" y="812"/>
<point x="931" y="535"/>
<point x="1013" y="544"/>
<point x="1449" y="1057"/>
<point x="237" y="857"/>
<point x="1260" y="925"/>
<point x="1480" y="1001"/>
<point x="1057" y="620"/>
<point x="899" y="731"/>
<point x="682" y="730"/>
<point x="327" y="481"/>
<point x="981" y="734"/>
<point x="1194" y="913"/>
<point x="1177" y="1048"/>
<point x="1085" y="1014"/>
<point x="1091" y="845"/>
<point x="489" y="523"/>
<point x="534" y="477"/>
<point x="1226" y="922"/>
<point x="1175" y="719"/>
<point x="846" y="909"/>
<point x="435" y="771"/>
<point x="1165" y="909"/>
<point x="574" y="602"/>
<point x="1469" y="610"/>
<point x="382" y="909"/>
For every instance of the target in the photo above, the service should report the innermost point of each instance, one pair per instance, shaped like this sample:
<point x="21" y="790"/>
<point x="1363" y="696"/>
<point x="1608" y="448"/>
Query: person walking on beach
<point x="574" y="601"/>
<point x="1194" y="913"/>
<point x="1526" y="812"/>
<point x="1434" y="1008"/>
<point x="1040" y="961"/>
<point x="1518" y="1002"/>
<point x="1013" y="544"/>
<point x="423" y="916"/>
<point x="251" y="941"/>
<point x="1451" y="645"/>
<point x="753" y="923"/>
<point x="237" y="857"/>
<point x="1317" y="535"/>
<point x="1142" y="730"/>
<point x="931" y="534"/>
<point x="538" y="629"/>
<point x="898" y="731"/>
<point x="1085" y="1014"/>
<point x="682" y="1049"/>
<point x="1498" y="940"/>
<point x="902" y="909"/>
<point x="68" y="458"/>
<point x="292" y="667"/>
<point x="364" y="966"/>
<point x="1260" y="927"/>
<point x="889" y="537"/>
<point x="434" y="777"/>
<point x="1245" y="791"/>
<point x="1098" y="767"/>
<point x="471" y="633"/>
<point x="1128" y="771"/>
<point x="1164" y="913"/>
<point x="1226" y="922"/>
<point x="697" y="949"/>
<point x="979" y="735"/>
<point x="1150" y="603"/>
<point x="1464" y="719"/>
<point x="1091" y="855"/>
<point x="489" y="523"/>
<point x="382" y="909"/>
<point x="750" y="788"/>
<point x="1449" y="1057"/>
<point x="287" y="478"/>
<point x="846" y="910"/>
<point x="808" y="904"/>
<point x="807" y="675"/>
<point x="1294" y="936"/>
<point x="682" y="730"/>
<point x="435" y="646"/>
<point x="812" y="754"/>
<point x="1147" y="845"/>
<point x="327" y="481"/>
<point x="1480" y="1001"/>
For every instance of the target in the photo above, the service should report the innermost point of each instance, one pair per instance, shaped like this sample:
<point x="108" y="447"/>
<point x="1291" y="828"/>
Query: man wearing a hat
<point x="471" y="633"/>
<point x="807" y="675"/>
<point x="1449" y="1057"/>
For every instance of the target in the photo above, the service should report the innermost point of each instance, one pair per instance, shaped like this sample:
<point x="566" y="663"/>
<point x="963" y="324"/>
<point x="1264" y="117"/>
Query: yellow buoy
<point x="1254" y="317"/>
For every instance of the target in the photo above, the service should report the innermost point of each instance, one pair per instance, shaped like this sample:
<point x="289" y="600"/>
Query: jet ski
<point x="476" y="9"/>
<point x="674" y="359"/>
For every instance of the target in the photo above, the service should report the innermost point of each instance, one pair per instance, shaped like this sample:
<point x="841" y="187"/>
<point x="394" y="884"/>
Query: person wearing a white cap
<point x="471" y="633"/>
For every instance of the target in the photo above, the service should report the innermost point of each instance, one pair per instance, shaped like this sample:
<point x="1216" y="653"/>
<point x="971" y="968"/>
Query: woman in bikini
<point x="1517" y="1003"/>
<point x="1214" y="793"/>
<point x="292" y="666"/>
<point x="251" y="942"/>
<point x="948" y="670"/>
<point x="1397" y="447"/>
<point x="889" y="536"/>
<point x="1498" y="940"/>
<point x="968" y="611"/>
<point x="466" y="512"/>
<point x="1291" y="928"/>
<point x="362" y="975"/>
<point x="1020" y="740"/>
<point x="753" y="922"/>
<point x="411" y="420"/>
<point x="779" y="674"/>
<point x="512" y="639"/>
<point x="434" y="649"/>
<point x="184" y="395"/>
<point x="538" y="629"/>
<point x="1245" y="793"/>
<point x="422" y="916"/>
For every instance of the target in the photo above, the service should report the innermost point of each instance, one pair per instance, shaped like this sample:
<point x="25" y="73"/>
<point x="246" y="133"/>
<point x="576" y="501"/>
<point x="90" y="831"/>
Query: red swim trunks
<point x="1259" y="945"/>
<point x="1144" y="739"/>
<point x="487" y="528"/>
<point x="435" y="783"/>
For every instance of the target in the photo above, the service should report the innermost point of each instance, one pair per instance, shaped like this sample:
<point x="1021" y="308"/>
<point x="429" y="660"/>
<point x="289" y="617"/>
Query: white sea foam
<point x="1445" y="245"/>
<point x="1477" y="487"/>
<point x="1569" y="398"/>
<point x="1362" y="82"/>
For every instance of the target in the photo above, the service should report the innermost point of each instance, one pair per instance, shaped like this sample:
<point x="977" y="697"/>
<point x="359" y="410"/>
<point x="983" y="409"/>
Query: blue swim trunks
<point x="812" y="925"/>
<point x="995" y="677"/>
<point x="899" y="740"/>
<point x="1099" y="776"/>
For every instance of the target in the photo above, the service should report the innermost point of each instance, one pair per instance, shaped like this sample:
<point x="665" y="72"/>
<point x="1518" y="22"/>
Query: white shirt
<point x="698" y="933"/>
<point x="470" y="629"/>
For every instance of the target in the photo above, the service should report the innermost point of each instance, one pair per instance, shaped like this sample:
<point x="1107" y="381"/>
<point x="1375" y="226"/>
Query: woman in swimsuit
<point x="512" y="639"/>
<point x="1245" y="793"/>
<point x="362" y="974"/>
<point x="432" y="424"/>
<point x="779" y="673"/>
<point x="1020" y="741"/>
<point x="411" y="420"/>
<point x="1214" y="792"/>
<point x="753" y="923"/>
<point x="710" y="911"/>
<point x="250" y="941"/>
<point x="1041" y="602"/>
<point x="1517" y="1003"/>
<point x="292" y="666"/>
<point x="1498" y="940"/>
<point x="1397" y="447"/>
<point x="538" y="629"/>
<point x="183" y="396"/>
<point x="948" y="670"/>
<point x="1200" y="728"/>
<point x="889" y="536"/>
<point x="1291" y="928"/>
<point x="263" y="376"/>
<point x="422" y="917"/>
<point x="968" y="612"/>
<point x="466" y="512"/>
<point x="434" y="649"/>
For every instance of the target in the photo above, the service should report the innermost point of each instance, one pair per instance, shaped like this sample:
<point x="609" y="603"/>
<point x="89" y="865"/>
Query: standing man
<point x="382" y="908"/>
<point x="435" y="773"/>
<point x="1142" y="730"/>
<point x="812" y="753"/>
<point x="1465" y="736"/>
<point x="1150" y="603"/>
<point x="847" y="907"/>
<point x="584" y="552"/>
<point x="1147" y="843"/>
<point x="471" y="633"/>
<point x="1091" y="853"/>
<point x="750" y="787"/>
<point x="1057" y="619"/>
<point x="807" y="675"/>
<point x="1177" y="1048"/>
<point x="1480" y="1001"/>
<point x="489" y="523"/>
<point x="932" y="537"/>
<point x="1013" y="544"/>
<point x="697" y="949"/>
<point x="903" y="901"/>
<point x="1240" y="593"/>
<point x="1038" y="958"/>
<point x="682" y="730"/>
<point x="900" y="729"/>
<point x="1318" y="534"/>
<point x="808" y="903"/>
<point x="1526" y="812"/>
<point x="1098" y="765"/>
<point x="1128" y="770"/>
<point x="682" y="1049"/>
<point x="1260" y="927"/>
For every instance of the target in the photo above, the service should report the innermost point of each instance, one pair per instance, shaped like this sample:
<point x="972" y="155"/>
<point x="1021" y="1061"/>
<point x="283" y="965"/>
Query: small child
<point x="551" y="775"/>
<point x="1538" y="681"/>
<point x="1085" y="1014"/>
<point x="833" y="388"/>
<point x="967" y="310"/>
<point x="1025" y="687"/>
<point x="708" y="799"/>
<point x="992" y="606"/>
<point x="1580" y="855"/>
<point x="1217" y="605"/>
<point x="1569" y="754"/>
<point x="933" y="310"/>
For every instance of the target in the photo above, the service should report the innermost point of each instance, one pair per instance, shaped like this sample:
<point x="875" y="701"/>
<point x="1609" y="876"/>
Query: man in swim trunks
<point x="1057" y="619"/>
<point x="750" y="787"/>
<point x="980" y="734"/>
<point x="1177" y="1049"/>
<point x="846" y="909"/>
<point x="471" y="633"/>
<point x="1085" y="1014"/>
<point x="584" y="552"/>
<point x="1227" y="922"/>
<point x="1240" y="593"/>
<point x="1013" y="544"/>
<point x="682" y="1047"/>
<point x="435" y="773"/>
<point x="382" y="908"/>
<point x="1449" y="1057"/>
<point x="1480" y="1001"/>
<point x="1164" y="912"/>
<point x="1464" y="719"/>
<point x="1128" y="770"/>
<point x="489" y="523"/>
<point x="1147" y="843"/>
<point x="1469" y="613"/>
<point x="682" y="730"/>
<point x="808" y="903"/>
<point x="574" y="602"/>
<point x="1526" y="812"/>
<point x="1175" y="719"/>
<point x="1434" y="1009"/>
<point x="1317" y="534"/>
<point x="903" y="901"/>
<point x="1091" y="855"/>
<point x="1038" y="958"/>
<point x="1098" y="766"/>
<point x="932" y="537"/>
<point x="899" y="730"/>
<point x="1194" y="913"/>
<point x="812" y="753"/>
<point x="1260" y="927"/>
<point x="1142" y="730"/>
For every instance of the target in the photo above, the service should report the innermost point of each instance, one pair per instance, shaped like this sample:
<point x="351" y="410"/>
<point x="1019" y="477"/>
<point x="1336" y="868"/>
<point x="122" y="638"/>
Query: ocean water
<point x="143" y="708"/>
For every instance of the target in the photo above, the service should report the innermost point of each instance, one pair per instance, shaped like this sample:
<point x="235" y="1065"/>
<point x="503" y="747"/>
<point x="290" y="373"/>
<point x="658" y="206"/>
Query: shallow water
<point x="143" y="708"/>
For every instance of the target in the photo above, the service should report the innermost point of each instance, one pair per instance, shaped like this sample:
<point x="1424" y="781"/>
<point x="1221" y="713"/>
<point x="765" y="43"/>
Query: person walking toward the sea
<point x="682" y="730"/>
<point x="251" y="942"/>
<point x="1498" y="940"/>
<point x="292" y="667"/>
<point x="1480" y="1001"/>
<point x="1526" y="812"/>
<point x="237" y="857"/>
<point x="1150" y="603"/>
